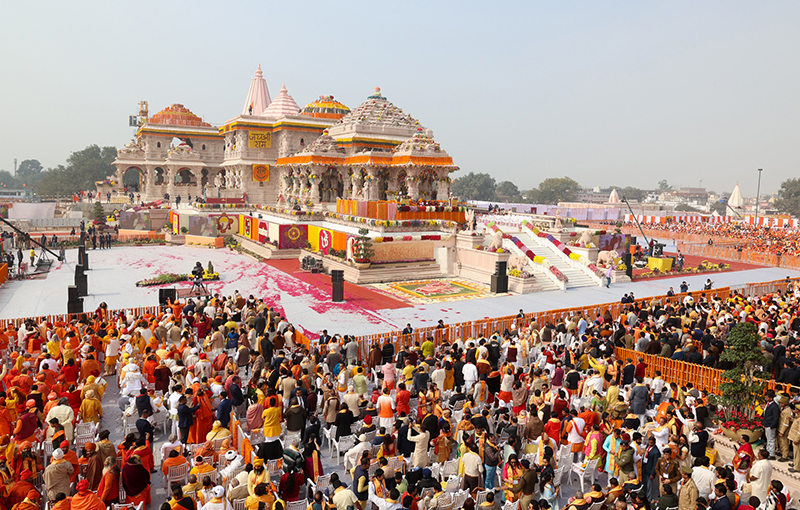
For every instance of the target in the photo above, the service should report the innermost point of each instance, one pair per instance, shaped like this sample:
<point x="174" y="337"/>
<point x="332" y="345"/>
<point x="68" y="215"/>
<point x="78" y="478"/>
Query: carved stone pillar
<point x="371" y="190"/>
<point x="443" y="187"/>
<point x="314" y="178"/>
<point x="412" y="183"/>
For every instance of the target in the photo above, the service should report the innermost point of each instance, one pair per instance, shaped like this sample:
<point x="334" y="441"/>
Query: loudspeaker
<point x="337" y="285"/>
<point x="82" y="284"/>
<point x="75" y="306"/>
<point x="626" y="259"/>
<point x="500" y="268"/>
<point x="166" y="294"/>
<point x="72" y="293"/>
<point x="499" y="283"/>
<point x="85" y="261"/>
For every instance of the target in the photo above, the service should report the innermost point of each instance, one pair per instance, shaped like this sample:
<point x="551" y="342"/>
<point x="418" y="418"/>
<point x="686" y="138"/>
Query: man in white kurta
<point x="65" y="415"/>
<point x="761" y="476"/>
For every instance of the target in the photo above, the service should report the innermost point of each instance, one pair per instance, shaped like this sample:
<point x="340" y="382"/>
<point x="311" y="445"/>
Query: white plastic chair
<point x="585" y="474"/>
<point x="176" y="474"/>
<point x="275" y="468"/>
<point x="435" y="468"/>
<point x="297" y="505"/>
<point x="84" y="428"/>
<point x="559" y="473"/>
<point x="511" y="505"/>
<point x="322" y="483"/>
<point x="459" y="498"/>
<point x="449" y="468"/>
<point x="453" y="485"/>
<point x="481" y="497"/>
<point x="238" y="504"/>
<point x="344" y="443"/>
<point x="329" y="434"/>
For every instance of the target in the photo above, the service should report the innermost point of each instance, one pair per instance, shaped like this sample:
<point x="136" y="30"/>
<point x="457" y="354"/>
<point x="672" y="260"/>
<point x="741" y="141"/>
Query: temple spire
<point x="258" y="95"/>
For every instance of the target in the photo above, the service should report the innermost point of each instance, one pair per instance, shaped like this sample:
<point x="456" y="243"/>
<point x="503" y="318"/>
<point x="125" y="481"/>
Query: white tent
<point x="736" y="199"/>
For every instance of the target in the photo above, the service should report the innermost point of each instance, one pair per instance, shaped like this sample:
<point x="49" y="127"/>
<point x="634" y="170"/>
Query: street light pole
<point x="758" y="193"/>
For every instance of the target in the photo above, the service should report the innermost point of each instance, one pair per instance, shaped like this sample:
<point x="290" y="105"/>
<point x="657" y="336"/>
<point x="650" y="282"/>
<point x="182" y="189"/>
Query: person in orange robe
<point x="174" y="459"/>
<point x="145" y="453"/>
<point x="19" y="491"/>
<point x="203" y="419"/>
<point x="89" y="365"/>
<point x="62" y="504"/>
<point x="6" y="419"/>
<point x="30" y="502"/>
<point x="136" y="481"/>
<point x="71" y="457"/>
<point x="149" y="368"/>
<point x="108" y="490"/>
<point x="85" y="499"/>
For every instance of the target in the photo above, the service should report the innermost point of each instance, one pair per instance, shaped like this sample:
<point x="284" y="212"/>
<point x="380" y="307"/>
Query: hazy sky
<point x="603" y="92"/>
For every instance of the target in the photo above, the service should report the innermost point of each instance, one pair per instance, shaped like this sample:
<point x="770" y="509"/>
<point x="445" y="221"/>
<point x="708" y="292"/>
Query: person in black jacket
<point x="649" y="462"/>
<point x="770" y="420"/>
<point x="693" y="356"/>
<point x="387" y="352"/>
<point x="185" y="418"/>
<point x="144" y="427"/>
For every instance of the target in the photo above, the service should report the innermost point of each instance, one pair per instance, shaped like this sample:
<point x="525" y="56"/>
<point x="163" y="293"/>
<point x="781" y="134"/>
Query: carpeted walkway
<point x="694" y="261"/>
<point x="364" y="297"/>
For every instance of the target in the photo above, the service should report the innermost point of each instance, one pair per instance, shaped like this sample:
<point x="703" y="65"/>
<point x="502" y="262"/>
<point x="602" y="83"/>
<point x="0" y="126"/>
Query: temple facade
<point x="274" y="152"/>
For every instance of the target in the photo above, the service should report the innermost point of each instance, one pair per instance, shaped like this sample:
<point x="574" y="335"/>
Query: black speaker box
<point x="500" y="268"/>
<point x="166" y="294"/>
<point x="75" y="306"/>
<point x="499" y="284"/>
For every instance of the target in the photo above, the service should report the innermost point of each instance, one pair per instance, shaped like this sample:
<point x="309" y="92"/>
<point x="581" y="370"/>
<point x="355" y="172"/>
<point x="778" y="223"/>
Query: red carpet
<point x="362" y="296"/>
<point x="694" y="261"/>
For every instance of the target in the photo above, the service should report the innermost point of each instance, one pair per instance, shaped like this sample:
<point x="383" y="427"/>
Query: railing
<point x="537" y="267"/>
<point x="734" y="254"/>
<point x="65" y="318"/>
<point x="574" y="264"/>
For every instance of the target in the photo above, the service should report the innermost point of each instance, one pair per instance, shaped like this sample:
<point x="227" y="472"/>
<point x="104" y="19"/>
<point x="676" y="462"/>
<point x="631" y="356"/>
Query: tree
<point x="663" y="185"/>
<point x="719" y="207"/>
<point x="28" y="168"/>
<point x="7" y="180"/>
<point x="687" y="208"/>
<point x="83" y="169"/>
<point x="742" y="389"/>
<point x="508" y="191"/>
<point x="475" y="187"/>
<point x="556" y="189"/>
<point x="788" y="200"/>
<point x="631" y="193"/>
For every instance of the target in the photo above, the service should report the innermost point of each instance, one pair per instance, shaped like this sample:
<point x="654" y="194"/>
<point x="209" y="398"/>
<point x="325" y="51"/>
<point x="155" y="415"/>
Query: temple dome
<point x="378" y="111"/>
<point x="177" y="115"/>
<point x="283" y="104"/>
<point x="325" y="108"/>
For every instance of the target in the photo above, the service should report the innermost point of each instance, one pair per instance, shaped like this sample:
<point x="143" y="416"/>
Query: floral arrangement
<point x="415" y="208"/>
<point x="738" y="420"/>
<point x="389" y="239"/>
<point x="162" y="279"/>
<point x="518" y="274"/>
<point x="220" y="206"/>
<point x="559" y="275"/>
<point x="313" y="177"/>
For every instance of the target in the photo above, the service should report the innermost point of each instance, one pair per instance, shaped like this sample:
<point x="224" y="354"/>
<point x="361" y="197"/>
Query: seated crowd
<point x="502" y="421"/>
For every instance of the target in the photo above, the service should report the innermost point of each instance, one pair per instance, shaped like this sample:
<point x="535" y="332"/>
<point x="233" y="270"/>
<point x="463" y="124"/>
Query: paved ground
<point x="114" y="273"/>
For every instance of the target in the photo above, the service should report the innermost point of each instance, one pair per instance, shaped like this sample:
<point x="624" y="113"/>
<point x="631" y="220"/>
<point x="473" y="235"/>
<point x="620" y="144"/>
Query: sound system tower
<point x="74" y="301"/>
<point x="626" y="259"/>
<point x="80" y="280"/>
<point x="337" y="285"/>
<point x="85" y="260"/>
<point x="499" y="283"/>
<point x="166" y="295"/>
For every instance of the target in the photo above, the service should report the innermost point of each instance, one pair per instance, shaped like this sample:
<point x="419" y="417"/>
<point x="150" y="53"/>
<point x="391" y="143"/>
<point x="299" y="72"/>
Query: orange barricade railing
<point x="3" y="273"/>
<point x="52" y="319"/>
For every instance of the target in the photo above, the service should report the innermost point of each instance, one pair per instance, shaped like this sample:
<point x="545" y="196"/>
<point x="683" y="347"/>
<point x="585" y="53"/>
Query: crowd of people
<point x="502" y="421"/>
<point x="740" y="235"/>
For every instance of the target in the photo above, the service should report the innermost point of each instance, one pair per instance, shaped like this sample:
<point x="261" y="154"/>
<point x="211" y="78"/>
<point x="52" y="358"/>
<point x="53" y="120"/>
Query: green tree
<point x="7" y="180"/>
<point x="507" y="190"/>
<point x="687" y="208"/>
<point x="99" y="214"/>
<point x="557" y="189"/>
<point x="631" y="193"/>
<point x="788" y="200"/>
<point x="719" y="207"/>
<point x="475" y="187"/>
<point x="663" y="185"/>
<point x="83" y="169"/>
<point x="28" y="168"/>
<point x="742" y="389"/>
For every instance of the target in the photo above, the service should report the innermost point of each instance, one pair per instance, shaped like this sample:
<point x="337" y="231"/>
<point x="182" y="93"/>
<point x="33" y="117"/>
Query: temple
<point x="274" y="152"/>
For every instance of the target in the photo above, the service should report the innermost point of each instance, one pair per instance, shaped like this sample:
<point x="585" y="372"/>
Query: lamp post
<point x="758" y="193"/>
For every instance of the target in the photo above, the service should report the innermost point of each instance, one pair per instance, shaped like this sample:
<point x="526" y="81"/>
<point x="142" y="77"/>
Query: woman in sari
<point x="136" y="481"/>
<point x="549" y="490"/>
<point x="388" y="448"/>
<point x="108" y="490"/>
<point x="125" y="449"/>
<point x="743" y="461"/>
<point x="313" y="463"/>
<point x="449" y="376"/>
<point x="512" y="472"/>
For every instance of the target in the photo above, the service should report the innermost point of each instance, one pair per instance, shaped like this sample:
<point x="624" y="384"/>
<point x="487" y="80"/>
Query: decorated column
<point x="371" y="191"/>
<point x="412" y="183"/>
<point x="443" y="186"/>
<point x="314" y="180"/>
